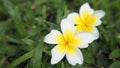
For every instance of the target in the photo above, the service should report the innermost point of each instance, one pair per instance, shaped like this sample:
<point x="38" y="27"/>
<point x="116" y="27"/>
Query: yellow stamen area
<point x="60" y="39"/>
<point x="61" y="48"/>
<point x="68" y="41"/>
<point x="85" y="22"/>
<point x="71" y="50"/>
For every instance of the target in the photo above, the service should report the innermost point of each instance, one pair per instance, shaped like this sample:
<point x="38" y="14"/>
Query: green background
<point x="24" y="23"/>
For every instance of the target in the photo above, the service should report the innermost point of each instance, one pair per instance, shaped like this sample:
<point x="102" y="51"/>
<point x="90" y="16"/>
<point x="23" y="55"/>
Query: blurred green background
<point x="24" y="23"/>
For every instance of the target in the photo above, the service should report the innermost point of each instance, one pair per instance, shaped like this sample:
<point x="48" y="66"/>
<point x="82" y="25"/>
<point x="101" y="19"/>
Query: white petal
<point x="98" y="22"/>
<point x="85" y="7"/>
<point x="51" y="37"/>
<point x="96" y="33"/>
<point x="71" y="16"/>
<point x="58" y="52"/>
<point x="83" y="46"/>
<point x="85" y="38"/>
<point x="99" y="14"/>
<point x="75" y="58"/>
<point x="66" y="24"/>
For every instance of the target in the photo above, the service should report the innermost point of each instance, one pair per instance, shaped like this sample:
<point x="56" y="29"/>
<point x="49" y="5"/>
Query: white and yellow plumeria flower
<point x="68" y="43"/>
<point x="87" y="19"/>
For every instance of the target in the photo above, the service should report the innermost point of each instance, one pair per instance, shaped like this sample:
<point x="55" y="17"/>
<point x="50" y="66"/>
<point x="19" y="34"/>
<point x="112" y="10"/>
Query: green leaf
<point x="62" y="65"/>
<point x="115" y="65"/>
<point x="3" y="28"/>
<point x="60" y="11"/>
<point x="36" y="60"/>
<point x="115" y="54"/>
<point x="79" y="66"/>
<point x="13" y="39"/>
<point x="15" y="14"/>
<point x="21" y="59"/>
<point x="51" y="24"/>
<point x="88" y="56"/>
<point x="28" y="41"/>
<point x="2" y="61"/>
<point x="102" y="61"/>
<point x="7" y="50"/>
<point x="24" y="44"/>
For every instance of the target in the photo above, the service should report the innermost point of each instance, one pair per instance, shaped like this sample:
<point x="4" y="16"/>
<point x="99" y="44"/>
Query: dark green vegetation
<point x="24" y="23"/>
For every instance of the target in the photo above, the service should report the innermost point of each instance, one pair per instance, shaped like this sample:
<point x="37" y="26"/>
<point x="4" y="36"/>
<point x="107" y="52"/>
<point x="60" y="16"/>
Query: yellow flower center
<point x="69" y="40"/>
<point x="85" y="22"/>
<point x="67" y="43"/>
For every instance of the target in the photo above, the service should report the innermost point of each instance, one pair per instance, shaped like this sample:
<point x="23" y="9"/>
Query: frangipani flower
<point x="87" y="19"/>
<point x="68" y="43"/>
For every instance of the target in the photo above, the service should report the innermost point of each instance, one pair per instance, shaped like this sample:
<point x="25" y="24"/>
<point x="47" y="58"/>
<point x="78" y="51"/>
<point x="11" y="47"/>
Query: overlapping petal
<point x="95" y="33"/>
<point x="66" y="25"/>
<point x="85" y="11"/>
<point x="58" y="52"/>
<point x="71" y="16"/>
<point x="74" y="56"/>
<point x="99" y="14"/>
<point x="54" y="37"/>
<point x="85" y="38"/>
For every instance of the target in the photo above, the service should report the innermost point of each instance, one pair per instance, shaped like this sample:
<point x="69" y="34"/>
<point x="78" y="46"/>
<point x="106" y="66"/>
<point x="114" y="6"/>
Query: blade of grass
<point x="36" y="60"/>
<point x="15" y="15"/>
<point x="21" y="59"/>
<point x="3" y="28"/>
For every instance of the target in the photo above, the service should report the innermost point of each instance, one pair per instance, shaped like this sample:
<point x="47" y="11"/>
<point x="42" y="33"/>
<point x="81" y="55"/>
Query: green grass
<point x="24" y="23"/>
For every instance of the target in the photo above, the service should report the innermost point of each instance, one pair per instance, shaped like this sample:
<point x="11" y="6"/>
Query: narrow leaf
<point x="21" y="59"/>
<point x="15" y="15"/>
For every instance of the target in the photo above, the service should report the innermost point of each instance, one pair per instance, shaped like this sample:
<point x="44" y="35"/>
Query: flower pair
<point x="78" y="30"/>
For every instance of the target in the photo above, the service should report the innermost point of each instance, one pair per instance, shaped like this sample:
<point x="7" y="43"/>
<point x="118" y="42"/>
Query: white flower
<point x="87" y="19"/>
<point x="68" y="43"/>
